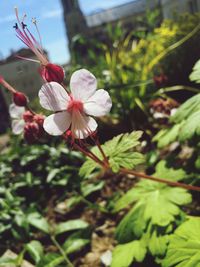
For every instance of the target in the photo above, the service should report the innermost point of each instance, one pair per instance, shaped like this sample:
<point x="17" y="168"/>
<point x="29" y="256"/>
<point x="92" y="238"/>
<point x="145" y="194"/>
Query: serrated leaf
<point x="35" y="219"/>
<point x="157" y="203"/>
<point x="187" y="109"/>
<point x="118" y="152"/>
<point x="158" y="244"/>
<point x="124" y="255"/>
<point x="132" y="225"/>
<point x="195" y="75"/>
<point x="190" y="127"/>
<point x="70" y="225"/>
<point x="35" y="249"/>
<point x="167" y="136"/>
<point x="184" y="246"/>
<point x="164" y="172"/>
<point x="88" y="167"/>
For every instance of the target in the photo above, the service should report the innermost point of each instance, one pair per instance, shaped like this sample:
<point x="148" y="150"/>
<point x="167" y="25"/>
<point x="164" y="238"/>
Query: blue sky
<point x="50" y="21"/>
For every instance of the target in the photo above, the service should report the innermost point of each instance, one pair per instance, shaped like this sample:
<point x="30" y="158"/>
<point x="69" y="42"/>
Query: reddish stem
<point x="138" y="174"/>
<point x="102" y="152"/>
<point x="90" y="155"/>
<point x="164" y="181"/>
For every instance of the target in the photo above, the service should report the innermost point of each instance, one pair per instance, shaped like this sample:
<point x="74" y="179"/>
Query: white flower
<point x="72" y="110"/>
<point x="16" y="114"/>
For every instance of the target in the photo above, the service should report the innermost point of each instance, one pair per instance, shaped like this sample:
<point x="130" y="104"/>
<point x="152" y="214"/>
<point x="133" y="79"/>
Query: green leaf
<point x="124" y="255"/>
<point x="35" y="219"/>
<point x="75" y="242"/>
<point x="87" y="189"/>
<point x="132" y="225"/>
<point x="51" y="260"/>
<point x="52" y="174"/>
<point x="158" y="244"/>
<point x="70" y="225"/>
<point x="88" y="167"/>
<point x="184" y="246"/>
<point x="35" y="249"/>
<point x="167" y="136"/>
<point x="119" y="152"/>
<point x="156" y="203"/>
<point x="190" y="127"/>
<point x="195" y="75"/>
<point x="164" y="172"/>
<point x="187" y="109"/>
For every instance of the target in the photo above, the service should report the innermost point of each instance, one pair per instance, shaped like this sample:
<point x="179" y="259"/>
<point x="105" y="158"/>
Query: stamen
<point x="34" y="21"/>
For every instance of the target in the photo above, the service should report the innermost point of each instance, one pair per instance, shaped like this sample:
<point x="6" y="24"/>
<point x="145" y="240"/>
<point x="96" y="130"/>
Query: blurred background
<point x="125" y="43"/>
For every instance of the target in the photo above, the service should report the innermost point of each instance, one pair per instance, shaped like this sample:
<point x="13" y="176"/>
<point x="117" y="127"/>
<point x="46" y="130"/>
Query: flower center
<point x="75" y="105"/>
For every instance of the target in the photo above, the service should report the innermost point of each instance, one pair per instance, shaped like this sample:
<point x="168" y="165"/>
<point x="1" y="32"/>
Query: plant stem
<point x="106" y="166"/>
<point x="89" y="154"/>
<point x="164" y="181"/>
<point x="69" y="263"/>
<point x="102" y="152"/>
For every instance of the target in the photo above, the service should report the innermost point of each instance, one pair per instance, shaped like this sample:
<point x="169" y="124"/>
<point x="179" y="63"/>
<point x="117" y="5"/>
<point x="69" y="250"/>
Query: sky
<point x="50" y="22"/>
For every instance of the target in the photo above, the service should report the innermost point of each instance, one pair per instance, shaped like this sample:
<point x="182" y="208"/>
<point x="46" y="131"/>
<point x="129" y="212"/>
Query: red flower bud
<point x="39" y="119"/>
<point x="20" y="99"/>
<point x="31" y="132"/>
<point x="52" y="73"/>
<point x="28" y="116"/>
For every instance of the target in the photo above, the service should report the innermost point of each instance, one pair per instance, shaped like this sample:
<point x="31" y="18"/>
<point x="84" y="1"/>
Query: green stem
<point x="69" y="263"/>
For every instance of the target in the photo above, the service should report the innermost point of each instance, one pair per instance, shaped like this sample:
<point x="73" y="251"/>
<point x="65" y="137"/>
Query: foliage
<point x="119" y="153"/>
<point x="125" y="254"/>
<point x="127" y="62"/>
<point x="184" y="245"/>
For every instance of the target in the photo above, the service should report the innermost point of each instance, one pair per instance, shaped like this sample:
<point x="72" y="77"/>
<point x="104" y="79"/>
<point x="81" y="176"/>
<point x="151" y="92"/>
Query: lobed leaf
<point x="184" y="246"/>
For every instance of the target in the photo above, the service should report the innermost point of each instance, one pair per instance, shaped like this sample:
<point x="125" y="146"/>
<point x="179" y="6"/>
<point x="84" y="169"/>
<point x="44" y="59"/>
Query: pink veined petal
<point x="99" y="104"/>
<point x="82" y="125"/>
<point x="17" y="126"/>
<point x="15" y="111"/>
<point x="53" y="97"/>
<point x="83" y="84"/>
<point x="58" y="123"/>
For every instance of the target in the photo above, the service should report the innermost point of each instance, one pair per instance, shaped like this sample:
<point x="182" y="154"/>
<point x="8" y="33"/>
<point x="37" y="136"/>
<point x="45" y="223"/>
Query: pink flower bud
<point x="31" y="132"/>
<point x="28" y="116"/>
<point x="20" y="99"/>
<point x="52" y="73"/>
<point x="39" y="119"/>
<point x="1" y="79"/>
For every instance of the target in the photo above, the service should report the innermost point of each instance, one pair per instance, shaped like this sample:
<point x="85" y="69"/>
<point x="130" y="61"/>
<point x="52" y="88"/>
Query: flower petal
<point x="82" y="126"/>
<point x="15" y="111"/>
<point x="83" y="84"/>
<point x="17" y="126"/>
<point x="58" y="123"/>
<point x="53" y="97"/>
<point x="99" y="104"/>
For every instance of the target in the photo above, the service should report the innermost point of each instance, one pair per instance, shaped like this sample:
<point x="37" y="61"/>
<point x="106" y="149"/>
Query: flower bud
<point x="20" y="99"/>
<point x="52" y="73"/>
<point x="31" y="132"/>
<point x="39" y="119"/>
<point x="28" y="116"/>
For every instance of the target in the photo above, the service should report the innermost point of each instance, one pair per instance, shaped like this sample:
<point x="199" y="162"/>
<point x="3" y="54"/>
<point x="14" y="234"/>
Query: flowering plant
<point x="72" y="120"/>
